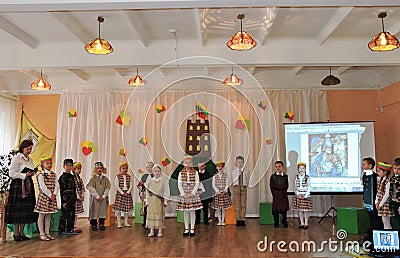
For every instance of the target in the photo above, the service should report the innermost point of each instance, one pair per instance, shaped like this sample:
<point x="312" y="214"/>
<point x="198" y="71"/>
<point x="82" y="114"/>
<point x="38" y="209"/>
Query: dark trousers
<point x="67" y="218"/>
<point x="395" y="221"/>
<point x="276" y="217"/>
<point x="375" y="222"/>
<point x="205" y="212"/>
<point x="144" y="216"/>
<point x="93" y="222"/>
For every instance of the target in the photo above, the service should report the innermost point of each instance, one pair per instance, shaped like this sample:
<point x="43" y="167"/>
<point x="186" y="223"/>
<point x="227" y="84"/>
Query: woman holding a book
<point x="21" y="199"/>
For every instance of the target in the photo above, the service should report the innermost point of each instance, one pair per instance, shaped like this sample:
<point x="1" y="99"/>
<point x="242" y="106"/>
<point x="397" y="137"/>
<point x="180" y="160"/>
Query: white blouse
<point x="18" y="163"/>
<point x="125" y="187"/>
<point x="43" y="187"/>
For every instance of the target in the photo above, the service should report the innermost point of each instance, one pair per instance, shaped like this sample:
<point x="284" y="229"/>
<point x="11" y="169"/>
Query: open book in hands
<point x="26" y="170"/>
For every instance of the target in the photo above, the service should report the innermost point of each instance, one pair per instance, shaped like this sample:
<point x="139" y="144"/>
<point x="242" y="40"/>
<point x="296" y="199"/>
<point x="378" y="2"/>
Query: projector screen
<point x="333" y="153"/>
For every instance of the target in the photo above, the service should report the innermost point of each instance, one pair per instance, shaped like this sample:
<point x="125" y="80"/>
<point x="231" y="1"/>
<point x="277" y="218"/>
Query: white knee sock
<point x="223" y="212"/>
<point x="186" y="219"/>
<point x="192" y="219"/>
<point x="118" y="214"/>
<point x="386" y="222"/>
<point x="306" y="216"/>
<point x="41" y="223"/>
<point x="218" y="215"/>
<point x="47" y="219"/>
<point x="76" y="221"/>
<point x="126" y="218"/>
<point x="301" y="216"/>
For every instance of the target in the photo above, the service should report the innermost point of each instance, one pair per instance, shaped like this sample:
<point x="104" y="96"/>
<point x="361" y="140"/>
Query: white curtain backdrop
<point x="96" y="122"/>
<point x="8" y="114"/>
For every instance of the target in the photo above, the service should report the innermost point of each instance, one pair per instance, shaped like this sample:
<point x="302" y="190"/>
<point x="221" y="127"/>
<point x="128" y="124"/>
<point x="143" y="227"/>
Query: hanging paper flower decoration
<point x="165" y="161"/>
<point x="88" y="147"/>
<point x="123" y="119"/>
<point x="242" y="123"/>
<point x="201" y="110"/>
<point x="289" y="115"/>
<point x="122" y="152"/>
<point x="72" y="113"/>
<point x="140" y="171"/>
<point x="262" y="104"/>
<point x="160" y="108"/>
<point x="144" y="141"/>
<point x="268" y="141"/>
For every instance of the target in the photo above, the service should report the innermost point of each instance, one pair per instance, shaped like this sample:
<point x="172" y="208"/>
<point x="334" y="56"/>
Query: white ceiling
<point x="296" y="43"/>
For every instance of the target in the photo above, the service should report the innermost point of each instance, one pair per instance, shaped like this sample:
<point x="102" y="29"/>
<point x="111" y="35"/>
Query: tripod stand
<point x="331" y="209"/>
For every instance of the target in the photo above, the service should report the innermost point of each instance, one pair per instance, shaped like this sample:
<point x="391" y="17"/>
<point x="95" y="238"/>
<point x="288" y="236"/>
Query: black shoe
<point x="276" y="225"/>
<point x="61" y="234"/>
<point x="243" y="223"/>
<point x="206" y="222"/>
<point x="305" y="227"/>
<point x="185" y="233"/>
<point x="23" y="237"/>
<point x="94" y="228"/>
<point x="238" y="223"/>
<point x="192" y="234"/>
<point x="17" y="238"/>
<point x="301" y="227"/>
<point x="72" y="233"/>
<point x="102" y="227"/>
<point x="285" y="225"/>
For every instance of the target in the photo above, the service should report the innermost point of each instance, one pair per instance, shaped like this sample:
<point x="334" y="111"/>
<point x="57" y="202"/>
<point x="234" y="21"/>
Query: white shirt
<point x="235" y="177"/>
<point x="195" y="188"/>
<point x="385" y="196"/>
<point x="214" y="185"/>
<point x="300" y="190"/>
<point x="124" y="188"/>
<point x="42" y="185"/>
<point x="18" y="163"/>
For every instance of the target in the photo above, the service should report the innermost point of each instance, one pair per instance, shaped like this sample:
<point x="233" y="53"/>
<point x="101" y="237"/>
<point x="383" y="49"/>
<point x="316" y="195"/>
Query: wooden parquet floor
<point x="210" y="240"/>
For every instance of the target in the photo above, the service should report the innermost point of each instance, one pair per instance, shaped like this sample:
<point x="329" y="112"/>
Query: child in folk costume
<point x="99" y="189"/>
<point x="47" y="202"/>
<point x="222" y="199"/>
<point x="189" y="195"/>
<point x="80" y="193"/>
<point x="68" y="200"/>
<point x="123" y="199"/>
<point x="240" y="182"/>
<point x="142" y="189"/>
<point x="383" y="196"/>
<point x="157" y="192"/>
<point x="302" y="199"/>
<point x="279" y="185"/>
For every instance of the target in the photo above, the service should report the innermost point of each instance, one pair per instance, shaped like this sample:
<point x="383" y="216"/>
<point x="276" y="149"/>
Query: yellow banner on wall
<point x="42" y="146"/>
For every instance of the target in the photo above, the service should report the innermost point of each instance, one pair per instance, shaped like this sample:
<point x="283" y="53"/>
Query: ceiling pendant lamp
<point x="137" y="80"/>
<point x="241" y="40"/>
<point x="383" y="41"/>
<point x="99" y="46"/>
<point x="41" y="83"/>
<point x="330" y="80"/>
<point x="233" y="80"/>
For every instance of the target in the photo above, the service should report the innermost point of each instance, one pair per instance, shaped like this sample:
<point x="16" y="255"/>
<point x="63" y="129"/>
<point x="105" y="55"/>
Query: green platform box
<point x="353" y="219"/>
<point x="266" y="217"/>
<point x="138" y="218"/>
<point x="54" y="220"/>
<point x="179" y="216"/>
